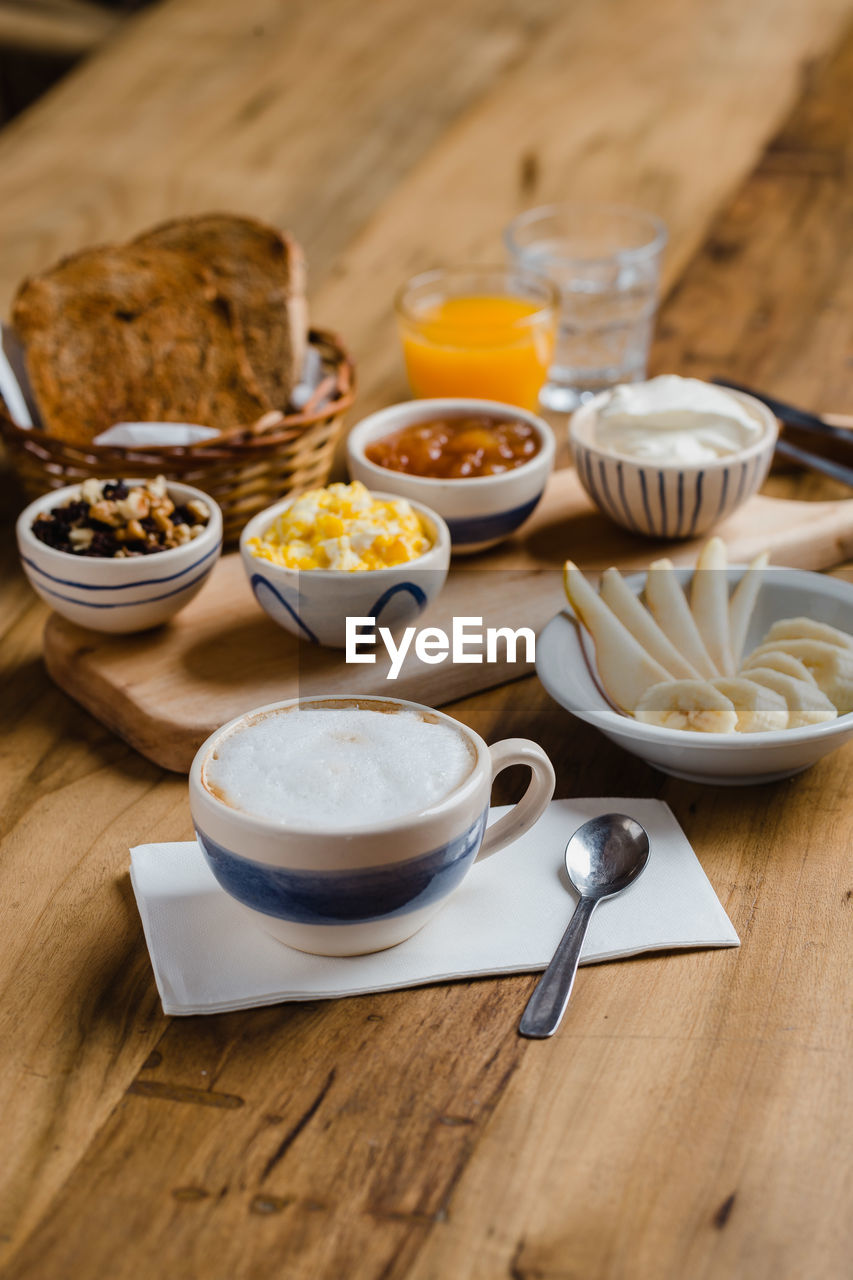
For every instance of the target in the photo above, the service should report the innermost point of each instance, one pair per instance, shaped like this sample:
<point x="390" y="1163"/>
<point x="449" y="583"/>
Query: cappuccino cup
<point x="343" y="824"/>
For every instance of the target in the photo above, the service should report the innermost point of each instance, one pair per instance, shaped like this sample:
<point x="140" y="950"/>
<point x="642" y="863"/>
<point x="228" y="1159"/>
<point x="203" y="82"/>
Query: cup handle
<point x="532" y="804"/>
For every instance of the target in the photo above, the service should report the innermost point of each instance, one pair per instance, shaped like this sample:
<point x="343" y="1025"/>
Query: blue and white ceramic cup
<point x="343" y="893"/>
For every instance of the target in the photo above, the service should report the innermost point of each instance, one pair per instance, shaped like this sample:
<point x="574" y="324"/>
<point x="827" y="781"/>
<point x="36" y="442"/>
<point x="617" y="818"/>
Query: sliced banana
<point x="687" y="704"/>
<point x="806" y="704"/>
<point x="776" y="660"/>
<point x="633" y="614"/>
<point x="759" y="709"/>
<point x="742" y="604"/>
<point x="709" y="604"/>
<point x="808" y="629"/>
<point x="668" y="605"/>
<point x="673" y="663"/>
<point x="831" y="666"/>
<point x="625" y="669"/>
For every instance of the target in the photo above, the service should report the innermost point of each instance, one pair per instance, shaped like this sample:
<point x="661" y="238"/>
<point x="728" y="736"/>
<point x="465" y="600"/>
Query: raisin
<point x="116" y="489"/>
<point x="182" y="516"/>
<point x="51" y="533"/>
<point x="103" y="543"/>
<point x="71" y="513"/>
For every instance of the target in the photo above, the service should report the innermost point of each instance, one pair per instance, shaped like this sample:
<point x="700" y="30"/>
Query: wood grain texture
<point x="58" y="28"/>
<point x="403" y="152"/>
<point x="321" y="1142"/>
<point x="165" y="691"/>
<point x="768" y="298"/>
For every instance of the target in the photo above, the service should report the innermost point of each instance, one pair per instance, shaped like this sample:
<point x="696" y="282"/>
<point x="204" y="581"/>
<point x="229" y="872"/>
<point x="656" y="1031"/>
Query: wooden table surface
<point x="692" y="1119"/>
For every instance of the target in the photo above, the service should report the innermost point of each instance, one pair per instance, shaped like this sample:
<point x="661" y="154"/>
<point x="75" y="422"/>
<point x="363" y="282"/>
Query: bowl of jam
<point x="481" y="464"/>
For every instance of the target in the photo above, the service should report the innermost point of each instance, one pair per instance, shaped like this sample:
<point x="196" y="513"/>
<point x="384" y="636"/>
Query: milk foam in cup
<point x="337" y="766"/>
<point x="342" y="824"/>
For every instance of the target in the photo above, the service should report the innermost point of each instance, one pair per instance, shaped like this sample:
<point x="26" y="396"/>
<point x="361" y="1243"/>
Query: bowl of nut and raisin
<point x="120" y="555"/>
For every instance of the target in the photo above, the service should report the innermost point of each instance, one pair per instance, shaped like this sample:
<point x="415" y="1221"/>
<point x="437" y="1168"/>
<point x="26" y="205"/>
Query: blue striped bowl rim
<point x="120" y="586"/>
<point x="127" y="604"/>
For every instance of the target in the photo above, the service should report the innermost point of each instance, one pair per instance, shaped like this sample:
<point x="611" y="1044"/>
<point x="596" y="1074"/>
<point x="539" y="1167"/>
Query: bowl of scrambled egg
<point x="344" y="552"/>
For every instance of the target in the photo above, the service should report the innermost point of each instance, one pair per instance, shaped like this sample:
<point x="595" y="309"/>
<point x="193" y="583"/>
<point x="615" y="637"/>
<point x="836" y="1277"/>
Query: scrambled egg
<point x="343" y="527"/>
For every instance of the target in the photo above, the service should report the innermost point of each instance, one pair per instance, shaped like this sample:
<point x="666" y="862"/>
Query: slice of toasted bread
<point x="260" y="272"/>
<point x="131" y="333"/>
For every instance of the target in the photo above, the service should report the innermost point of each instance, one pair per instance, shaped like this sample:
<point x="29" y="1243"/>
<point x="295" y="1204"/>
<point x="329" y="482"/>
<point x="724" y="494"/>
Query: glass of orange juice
<point x="483" y="332"/>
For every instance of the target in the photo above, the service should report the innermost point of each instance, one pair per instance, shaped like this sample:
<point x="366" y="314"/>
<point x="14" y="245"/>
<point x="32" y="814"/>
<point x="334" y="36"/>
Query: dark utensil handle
<point x="791" y="415"/>
<point x="835" y="470"/>
<point x="546" y="1006"/>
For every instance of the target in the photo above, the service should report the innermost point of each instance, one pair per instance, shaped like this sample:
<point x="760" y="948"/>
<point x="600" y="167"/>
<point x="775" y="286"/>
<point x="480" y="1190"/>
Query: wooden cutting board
<point x="164" y="691"/>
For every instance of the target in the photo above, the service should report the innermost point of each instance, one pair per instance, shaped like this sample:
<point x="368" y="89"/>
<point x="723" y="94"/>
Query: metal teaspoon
<point x="603" y="857"/>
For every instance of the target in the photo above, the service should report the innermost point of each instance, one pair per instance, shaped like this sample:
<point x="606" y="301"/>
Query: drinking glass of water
<point x="605" y="261"/>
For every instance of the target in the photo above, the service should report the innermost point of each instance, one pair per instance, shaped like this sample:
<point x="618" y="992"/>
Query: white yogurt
<point x="673" y="419"/>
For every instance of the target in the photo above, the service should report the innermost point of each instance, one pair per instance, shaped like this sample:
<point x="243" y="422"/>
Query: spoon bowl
<point x="603" y="858"/>
<point x="606" y="854"/>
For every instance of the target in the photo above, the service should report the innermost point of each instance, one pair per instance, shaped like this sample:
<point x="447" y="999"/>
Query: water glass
<point x="605" y="262"/>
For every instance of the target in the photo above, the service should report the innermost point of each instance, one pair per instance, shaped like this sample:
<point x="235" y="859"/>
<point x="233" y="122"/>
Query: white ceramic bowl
<point x="314" y="604"/>
<point x="480" y="511"/>
<point x="670" y="500"/>
<point x="124" y="595"/>
<point x="566" y="666"/>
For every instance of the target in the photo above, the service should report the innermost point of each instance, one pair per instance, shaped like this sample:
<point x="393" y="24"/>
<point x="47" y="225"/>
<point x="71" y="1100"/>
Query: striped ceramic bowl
<point x="670" y="500"/>
<point x="123" y="595"/>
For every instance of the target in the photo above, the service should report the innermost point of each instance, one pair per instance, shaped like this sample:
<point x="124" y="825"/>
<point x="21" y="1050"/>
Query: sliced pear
<point x="831" y="666"/>
<point x="669" y="607"/>
<point x="808" y="629"/>
<point x="776" y="660"/>
<point x="625" y="669"/>
<point x="806" y="704"/>
<point x="758" y="708"/>
<point x="709" y="604"/>
<point x="687" y="704"/>
<point x="633" y="614"/>
<point x="742" y="604"/>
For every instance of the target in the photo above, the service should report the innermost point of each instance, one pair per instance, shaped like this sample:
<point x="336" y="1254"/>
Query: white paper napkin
<point x="506" y="917"/>
<point x="13" y="378"/>
<point x="132" y="434"/>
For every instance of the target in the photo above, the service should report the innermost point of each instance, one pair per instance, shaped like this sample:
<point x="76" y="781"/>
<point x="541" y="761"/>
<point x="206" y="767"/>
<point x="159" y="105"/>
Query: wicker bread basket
<point x="244" y="470"/>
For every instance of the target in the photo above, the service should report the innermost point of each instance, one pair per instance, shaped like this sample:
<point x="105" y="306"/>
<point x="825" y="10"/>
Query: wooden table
<point x="692" y="1120"/>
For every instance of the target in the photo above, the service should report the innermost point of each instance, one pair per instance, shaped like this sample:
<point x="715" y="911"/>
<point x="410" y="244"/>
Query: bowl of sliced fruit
<point x="728" y="674"/>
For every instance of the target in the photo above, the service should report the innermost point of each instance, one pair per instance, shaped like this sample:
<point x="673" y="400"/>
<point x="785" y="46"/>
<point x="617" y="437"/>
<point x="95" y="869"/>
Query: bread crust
<point x="200" y="320"/>
<point x="261" y="273"/>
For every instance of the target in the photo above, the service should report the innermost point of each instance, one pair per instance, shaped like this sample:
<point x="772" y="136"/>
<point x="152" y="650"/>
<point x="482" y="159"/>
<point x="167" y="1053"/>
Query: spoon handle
<point x="546" y="1006"/>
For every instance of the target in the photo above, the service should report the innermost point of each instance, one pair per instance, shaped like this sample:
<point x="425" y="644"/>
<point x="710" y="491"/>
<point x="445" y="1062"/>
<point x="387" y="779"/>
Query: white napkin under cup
<point x="210" y="955"/>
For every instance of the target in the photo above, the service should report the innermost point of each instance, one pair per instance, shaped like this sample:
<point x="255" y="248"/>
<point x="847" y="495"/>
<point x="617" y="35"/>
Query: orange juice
<point x="488" y="346"/>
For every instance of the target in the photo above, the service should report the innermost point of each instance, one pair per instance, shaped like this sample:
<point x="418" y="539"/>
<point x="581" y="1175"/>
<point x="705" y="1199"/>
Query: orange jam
<point x="456" y="448"/>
